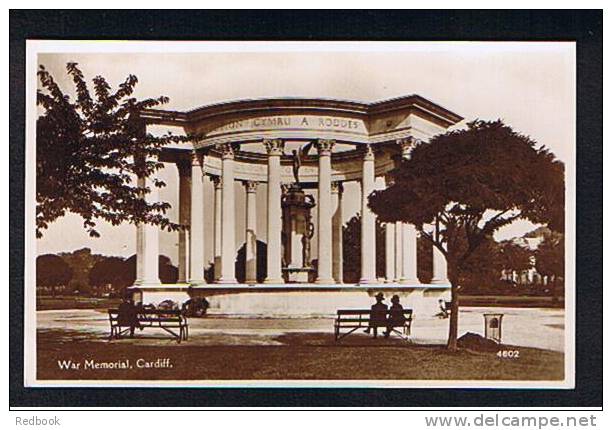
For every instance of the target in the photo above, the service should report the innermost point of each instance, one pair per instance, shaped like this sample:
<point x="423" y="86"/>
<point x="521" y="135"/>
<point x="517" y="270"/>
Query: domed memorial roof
<point x="299" y="121"/>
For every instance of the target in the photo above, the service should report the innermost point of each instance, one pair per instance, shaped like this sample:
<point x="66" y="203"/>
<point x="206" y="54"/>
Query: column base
<point x="440" y="282"/>
<point x="368" y="281"/>
<point x="325" y="281"/>
<point x="409" y="281"/>
<point x="250" y="281"/>
<point x="227" y="281"/>
<point x="150" y="283"/>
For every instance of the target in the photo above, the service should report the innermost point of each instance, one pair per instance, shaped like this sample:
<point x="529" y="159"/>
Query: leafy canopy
<point x="472" y="182"/>
<point x="89" y="151"/>
<point x="52" y="271"/>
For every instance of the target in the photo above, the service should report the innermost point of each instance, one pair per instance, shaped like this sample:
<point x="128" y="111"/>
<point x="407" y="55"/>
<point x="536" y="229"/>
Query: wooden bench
<point x="167" y="320"/>
<point x="354" y="319"/>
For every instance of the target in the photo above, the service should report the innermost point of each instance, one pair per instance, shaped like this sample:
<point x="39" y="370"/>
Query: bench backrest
<point x="366" y="312"/>
<point x="173" y="314"/>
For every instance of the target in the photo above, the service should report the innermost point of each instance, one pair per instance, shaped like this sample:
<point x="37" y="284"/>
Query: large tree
<point x="469" y="183"/>
<point x="52" y="272"/>
<point x="80" y="261"/>
<point x="109" y="270"/>
<point x="90" y="149"/>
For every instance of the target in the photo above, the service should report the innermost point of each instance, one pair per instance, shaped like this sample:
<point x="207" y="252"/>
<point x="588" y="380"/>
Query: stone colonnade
<point x="400" y="238"/>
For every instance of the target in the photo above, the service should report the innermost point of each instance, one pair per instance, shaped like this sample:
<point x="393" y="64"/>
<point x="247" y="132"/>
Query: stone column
<point x="324" y="213"/>
<point x="184" y="169"/>
<point x="228" y="213"/>
<point x="440" y="273"/>
<point x="274" y="222"/>
<point x="217" y="228"/>
<point x="337" y="257"/>
<point x="389" y="252"/>
<point x="196" y="229"/>
<point x="409" y="247"/>
<point x="368" y="221"/>
<point x="147" y="241"/>
<point x="409" y="255"/>
<point x="251" y="236"/>
<point x="399" y="250"/>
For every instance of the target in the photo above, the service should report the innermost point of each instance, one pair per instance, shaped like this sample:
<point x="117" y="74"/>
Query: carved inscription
<point x="310" y="122"/>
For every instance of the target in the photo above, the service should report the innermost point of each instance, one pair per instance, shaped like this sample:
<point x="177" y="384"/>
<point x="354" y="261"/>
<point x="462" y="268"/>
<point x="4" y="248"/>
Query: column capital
<point x="325" y="146"/>
<point x="407" y="144"/>
<point x="274" y="146"/>
<point x="337" y="187"/>
<point x="250" y="186"/>
<point x="196" y="158"/>
<point x="226" y="149"/>
<point x="217" y="182"/>
<point x="368" y="154"/>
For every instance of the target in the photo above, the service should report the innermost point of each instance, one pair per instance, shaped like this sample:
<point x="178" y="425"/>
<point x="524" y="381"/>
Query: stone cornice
<point x="192" y="118"/>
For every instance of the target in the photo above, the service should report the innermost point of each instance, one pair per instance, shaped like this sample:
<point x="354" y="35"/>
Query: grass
<point x="293" y="356"/>
<point x="45" y="303"/>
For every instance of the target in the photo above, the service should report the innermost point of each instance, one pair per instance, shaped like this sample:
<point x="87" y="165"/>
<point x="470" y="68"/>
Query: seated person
<point x="396" y="315"/>
<point x="443" y="310"/>
<point x="128" y="315"/>
<point x="378" y="316"/>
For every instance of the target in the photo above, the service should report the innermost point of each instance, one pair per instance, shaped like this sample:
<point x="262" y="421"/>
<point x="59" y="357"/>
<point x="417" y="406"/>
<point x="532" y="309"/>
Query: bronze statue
<point x="297" y="160"/>
<point x="306" y="238"/>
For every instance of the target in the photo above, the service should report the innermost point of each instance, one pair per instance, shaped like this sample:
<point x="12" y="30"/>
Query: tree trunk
<point x="453" y="326"/>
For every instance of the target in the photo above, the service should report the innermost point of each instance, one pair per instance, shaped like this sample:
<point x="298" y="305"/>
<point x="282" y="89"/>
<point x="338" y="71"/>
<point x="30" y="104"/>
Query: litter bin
<point x="493" y="326"/>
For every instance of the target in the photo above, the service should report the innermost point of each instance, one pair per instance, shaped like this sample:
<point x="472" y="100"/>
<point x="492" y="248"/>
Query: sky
<point x="530" y="86"/>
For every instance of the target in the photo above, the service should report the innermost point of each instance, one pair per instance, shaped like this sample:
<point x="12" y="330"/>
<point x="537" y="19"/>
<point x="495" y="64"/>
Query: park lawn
<point x="45" y="303"/>
<point x="298" y="356"/>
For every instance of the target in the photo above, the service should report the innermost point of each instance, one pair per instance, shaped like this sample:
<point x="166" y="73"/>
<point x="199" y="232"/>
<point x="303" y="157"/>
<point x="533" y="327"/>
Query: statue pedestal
<point x="301" y="275"/>
<point x="297" y="233"/>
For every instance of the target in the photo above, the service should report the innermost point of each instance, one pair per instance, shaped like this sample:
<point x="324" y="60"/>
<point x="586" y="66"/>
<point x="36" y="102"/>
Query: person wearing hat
<point x="378" y="316"/>
<point x="396" y="315"/>
<point x="127" y="314"/>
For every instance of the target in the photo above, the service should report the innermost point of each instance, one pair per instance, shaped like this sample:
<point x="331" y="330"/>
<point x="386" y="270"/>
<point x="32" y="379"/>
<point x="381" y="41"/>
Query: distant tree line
<point x="483" y="271"/>
<point x="81" y="272"/>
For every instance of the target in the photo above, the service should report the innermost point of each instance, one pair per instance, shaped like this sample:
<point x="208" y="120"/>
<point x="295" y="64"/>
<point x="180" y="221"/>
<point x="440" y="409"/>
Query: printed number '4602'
<point x="508" y="353"/>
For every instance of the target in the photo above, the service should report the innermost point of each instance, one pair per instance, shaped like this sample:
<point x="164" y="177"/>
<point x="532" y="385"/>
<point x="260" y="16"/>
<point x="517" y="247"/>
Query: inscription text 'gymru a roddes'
<point x="291" y="121"/>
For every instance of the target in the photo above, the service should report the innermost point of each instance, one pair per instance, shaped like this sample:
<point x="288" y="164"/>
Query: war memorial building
<point x="301" y="153"/>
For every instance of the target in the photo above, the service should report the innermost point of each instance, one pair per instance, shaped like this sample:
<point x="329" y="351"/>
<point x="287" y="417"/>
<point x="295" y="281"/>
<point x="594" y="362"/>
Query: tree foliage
<point x="109" y="270"/>
<point x="482" y="270"/>
<point x="80" y="261"/>
<point x="52" y="271"/>
<point x="469" y="183"/>
<point x="514" y="257"/>
<point x="550" y="256"/>
<point x="89" y="151"/>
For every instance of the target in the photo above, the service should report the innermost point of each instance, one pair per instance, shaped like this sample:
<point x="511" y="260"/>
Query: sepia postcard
<point x="300" y="214"/>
